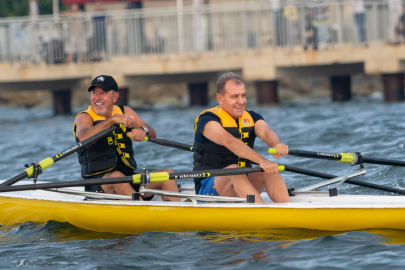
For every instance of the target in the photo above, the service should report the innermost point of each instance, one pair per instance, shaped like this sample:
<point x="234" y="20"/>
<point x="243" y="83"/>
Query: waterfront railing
<point x="227" y="27"/>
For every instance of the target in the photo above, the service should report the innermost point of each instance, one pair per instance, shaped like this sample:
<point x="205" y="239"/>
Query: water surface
<point x="374" y="128"/>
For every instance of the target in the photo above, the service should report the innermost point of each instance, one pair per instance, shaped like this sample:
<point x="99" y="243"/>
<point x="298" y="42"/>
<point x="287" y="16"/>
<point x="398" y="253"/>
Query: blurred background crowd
<point x="60" y="31"/>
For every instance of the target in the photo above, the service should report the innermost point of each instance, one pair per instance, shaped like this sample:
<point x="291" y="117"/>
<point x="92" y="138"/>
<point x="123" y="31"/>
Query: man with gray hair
<point x="224" y="138"/>
<point x="113" y="156"/>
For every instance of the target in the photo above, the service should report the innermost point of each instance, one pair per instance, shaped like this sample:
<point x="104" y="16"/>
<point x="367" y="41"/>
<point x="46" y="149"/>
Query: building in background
<point x="191" y="41"/>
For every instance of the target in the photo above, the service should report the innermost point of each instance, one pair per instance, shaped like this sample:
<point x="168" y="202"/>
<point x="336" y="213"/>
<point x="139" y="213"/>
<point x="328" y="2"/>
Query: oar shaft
<point x="341" y="157"/>
<point x="172" y="144"/>
<point x="217" y="172"/>
<point x="48" y="162"/>
<point x="136" y="178"/>
<point x="85" y="143"/>
<point x="309" y="154"/>
<point x="374" y="186"/>
<point x="181" y="146"/>
<point x="349" y="181"/>
<point x="384" y="161"/>
<point x="101" y="181"/>
<point x="15" y="179"/>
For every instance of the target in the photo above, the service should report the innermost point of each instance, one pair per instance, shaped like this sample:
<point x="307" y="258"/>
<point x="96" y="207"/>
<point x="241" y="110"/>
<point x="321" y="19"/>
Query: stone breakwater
<point x="176" y="94"/>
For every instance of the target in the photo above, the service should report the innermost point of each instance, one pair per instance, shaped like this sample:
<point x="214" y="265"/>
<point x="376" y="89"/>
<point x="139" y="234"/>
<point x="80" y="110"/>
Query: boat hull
<point x="133" y="217"/>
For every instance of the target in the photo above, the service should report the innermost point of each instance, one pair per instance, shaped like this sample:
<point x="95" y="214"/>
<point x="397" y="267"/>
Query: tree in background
<point x="12" y="8"/>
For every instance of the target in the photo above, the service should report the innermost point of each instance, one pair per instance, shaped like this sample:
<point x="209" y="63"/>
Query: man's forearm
<point x="151" y="133"/>
<point x="271" y="138"/>
<point x="240" y="149"/>
<point x="96" y="129"/>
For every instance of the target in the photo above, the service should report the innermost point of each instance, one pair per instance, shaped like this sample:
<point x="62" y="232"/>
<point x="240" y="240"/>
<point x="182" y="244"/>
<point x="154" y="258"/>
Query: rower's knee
<point x="164" y="170"/>
<point x="232" y="166"/>
<point x="113" y="174"/>
<point x="170" y="183"/>
<point x="117" y="174"/>
<point x="239" y="179"/>
<point x="173" y="185"/>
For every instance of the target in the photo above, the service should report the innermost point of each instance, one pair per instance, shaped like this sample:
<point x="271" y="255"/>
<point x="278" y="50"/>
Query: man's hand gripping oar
<point x="36" y="168"/>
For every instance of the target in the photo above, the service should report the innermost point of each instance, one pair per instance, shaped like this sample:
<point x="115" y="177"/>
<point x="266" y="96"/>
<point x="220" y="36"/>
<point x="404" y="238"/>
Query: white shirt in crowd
<point x="275" y="4"/>
<point x="395" y="5"/>
<point x="358" y="6"/>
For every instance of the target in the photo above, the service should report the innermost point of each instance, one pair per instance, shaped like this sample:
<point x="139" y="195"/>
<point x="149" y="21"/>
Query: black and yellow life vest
<point x="102" y="156"/>
<point x="209" y="155"/>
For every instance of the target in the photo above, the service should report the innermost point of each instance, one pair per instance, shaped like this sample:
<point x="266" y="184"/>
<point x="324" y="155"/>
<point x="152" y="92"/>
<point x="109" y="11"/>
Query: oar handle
<point x="272" y="151"/>
<point x="349" y="158"/>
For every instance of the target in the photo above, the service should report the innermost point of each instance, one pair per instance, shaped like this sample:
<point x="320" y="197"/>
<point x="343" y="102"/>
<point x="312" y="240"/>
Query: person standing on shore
<point x="99" y="32"/>
<point x="77" y="38"/>
<point x="395" y="11"/>
<point x="275" y="9"/>
<point x="359" y="11"/>
<point x="400" y="27"/>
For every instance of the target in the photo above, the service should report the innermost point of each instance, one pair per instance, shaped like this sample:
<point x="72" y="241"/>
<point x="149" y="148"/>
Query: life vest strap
<point x="242" y="163"/>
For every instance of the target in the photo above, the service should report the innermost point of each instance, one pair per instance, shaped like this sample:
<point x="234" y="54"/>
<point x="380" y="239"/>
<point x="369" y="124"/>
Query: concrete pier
<point x="393" y="87"/>
<point x="266" y="92"/>
<point x="62" y="100"/>
<point x="265" y="66"/>
<point x="341" y="88"/>
<point x="198" y="93"/>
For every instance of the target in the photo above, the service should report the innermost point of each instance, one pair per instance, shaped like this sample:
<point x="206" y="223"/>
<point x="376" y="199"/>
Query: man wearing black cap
<point x="112" y="156"/>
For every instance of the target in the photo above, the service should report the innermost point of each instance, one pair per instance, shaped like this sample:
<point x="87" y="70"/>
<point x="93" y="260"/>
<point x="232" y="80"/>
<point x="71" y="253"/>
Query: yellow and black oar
<point x="172" y="144"/>
<point x="292" y="169"/>
<point x="164" y="176"/>
<point x="36" y="168"/>
<point x="350" y="158"/>
<point x="136" y="178"/>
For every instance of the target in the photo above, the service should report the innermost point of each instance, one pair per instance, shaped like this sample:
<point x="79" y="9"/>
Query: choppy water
<point x="376" y="129"/>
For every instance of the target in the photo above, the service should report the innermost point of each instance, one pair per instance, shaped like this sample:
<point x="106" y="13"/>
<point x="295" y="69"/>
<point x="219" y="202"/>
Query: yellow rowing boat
<point x="337" y="213"/>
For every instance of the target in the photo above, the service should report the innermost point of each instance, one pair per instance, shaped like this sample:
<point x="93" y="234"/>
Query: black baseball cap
<point x="105" y="82"/>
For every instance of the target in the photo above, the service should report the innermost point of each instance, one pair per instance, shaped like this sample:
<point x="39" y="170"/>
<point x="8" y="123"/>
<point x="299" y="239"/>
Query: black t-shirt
<point x="207" y="117"/>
